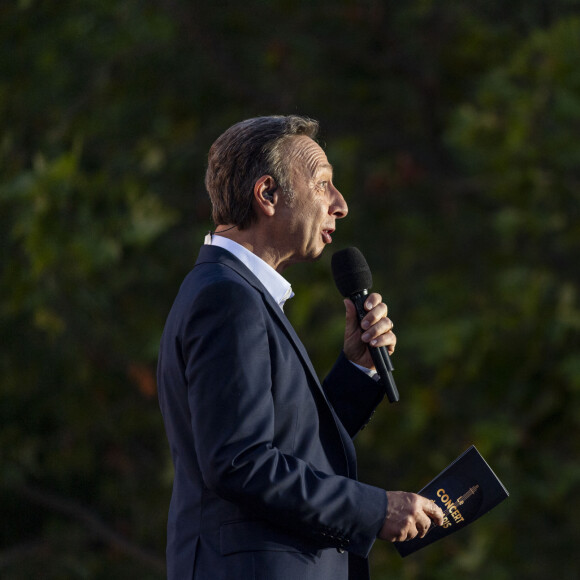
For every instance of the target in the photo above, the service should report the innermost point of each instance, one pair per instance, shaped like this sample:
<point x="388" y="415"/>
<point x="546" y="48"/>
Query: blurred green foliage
<point x="453" y="128"/>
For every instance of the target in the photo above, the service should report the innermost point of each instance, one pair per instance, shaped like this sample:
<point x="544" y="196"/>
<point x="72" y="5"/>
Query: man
<point x="265" y="469"/>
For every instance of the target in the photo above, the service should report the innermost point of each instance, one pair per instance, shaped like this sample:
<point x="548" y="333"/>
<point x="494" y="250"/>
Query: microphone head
<point x="351" y="272"/>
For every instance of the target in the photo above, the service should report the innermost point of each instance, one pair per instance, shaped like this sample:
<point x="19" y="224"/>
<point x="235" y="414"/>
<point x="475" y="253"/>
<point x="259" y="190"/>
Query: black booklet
<point x="464" y="490"/>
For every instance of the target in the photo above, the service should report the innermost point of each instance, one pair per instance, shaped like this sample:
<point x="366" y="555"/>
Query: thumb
<point x="351" y="324"/>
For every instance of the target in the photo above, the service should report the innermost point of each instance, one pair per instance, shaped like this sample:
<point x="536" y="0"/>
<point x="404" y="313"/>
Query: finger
<point x="379" y="333"/>
<point x="373" y="300"/>
<point x="374" y="316"/>
<point x="423" y="526"/>
<point x="435" y="513"/>
<point x="388" y="339"/>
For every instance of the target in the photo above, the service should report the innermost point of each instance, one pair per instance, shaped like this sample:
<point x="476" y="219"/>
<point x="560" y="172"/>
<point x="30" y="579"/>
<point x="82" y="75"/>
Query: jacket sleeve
<point x="353" y="394"/>
<point x="226" y="352"/>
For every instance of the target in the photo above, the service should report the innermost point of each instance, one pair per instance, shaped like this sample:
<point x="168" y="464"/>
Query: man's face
<point x="308" y="219"/>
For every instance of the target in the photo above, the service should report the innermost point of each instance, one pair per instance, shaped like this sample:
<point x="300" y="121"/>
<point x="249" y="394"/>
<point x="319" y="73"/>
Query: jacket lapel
<point x="216" y="254"/>
<point x="219" y="255"/>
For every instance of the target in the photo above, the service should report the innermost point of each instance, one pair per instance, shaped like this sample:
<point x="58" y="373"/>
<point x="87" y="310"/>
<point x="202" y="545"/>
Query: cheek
<point x="320" y="214"/>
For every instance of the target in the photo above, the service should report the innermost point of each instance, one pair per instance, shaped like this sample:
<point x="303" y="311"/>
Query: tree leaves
<point x="453" y="130"/>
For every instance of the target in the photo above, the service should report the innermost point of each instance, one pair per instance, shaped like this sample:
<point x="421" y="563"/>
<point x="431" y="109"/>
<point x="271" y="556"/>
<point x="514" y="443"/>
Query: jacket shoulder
<point x="208" y="279"/>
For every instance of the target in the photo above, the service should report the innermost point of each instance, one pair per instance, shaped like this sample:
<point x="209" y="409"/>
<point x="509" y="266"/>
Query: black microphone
<point x="353" y="278"/>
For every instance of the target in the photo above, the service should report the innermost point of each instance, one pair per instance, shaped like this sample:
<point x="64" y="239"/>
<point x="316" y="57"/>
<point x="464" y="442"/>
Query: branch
<point x="92" y="523"/>
<point x="24" y="551"/>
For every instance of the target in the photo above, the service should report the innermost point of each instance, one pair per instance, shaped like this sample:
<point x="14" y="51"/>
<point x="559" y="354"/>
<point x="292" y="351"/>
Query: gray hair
<point x="244" y="153"/>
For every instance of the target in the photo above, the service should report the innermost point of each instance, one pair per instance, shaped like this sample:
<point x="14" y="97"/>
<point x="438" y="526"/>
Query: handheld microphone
<point x="353" y="278"/>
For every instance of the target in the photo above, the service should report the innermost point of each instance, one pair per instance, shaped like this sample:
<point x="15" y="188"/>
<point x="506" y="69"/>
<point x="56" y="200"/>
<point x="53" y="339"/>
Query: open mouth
<point x="327" y="236"/>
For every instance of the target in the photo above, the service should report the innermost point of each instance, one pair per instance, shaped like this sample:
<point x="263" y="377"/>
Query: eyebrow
<point x="323" y="167"/>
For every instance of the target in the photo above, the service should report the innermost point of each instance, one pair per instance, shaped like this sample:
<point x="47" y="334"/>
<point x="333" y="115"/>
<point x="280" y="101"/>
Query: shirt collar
<point x="277" y="286"/>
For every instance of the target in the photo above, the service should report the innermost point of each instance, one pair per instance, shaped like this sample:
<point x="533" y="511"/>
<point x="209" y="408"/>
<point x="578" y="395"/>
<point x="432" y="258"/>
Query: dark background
<point x="454" y="131"/>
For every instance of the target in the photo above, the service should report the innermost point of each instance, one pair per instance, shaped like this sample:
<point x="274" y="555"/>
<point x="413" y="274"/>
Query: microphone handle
<point x="380" y="356"/>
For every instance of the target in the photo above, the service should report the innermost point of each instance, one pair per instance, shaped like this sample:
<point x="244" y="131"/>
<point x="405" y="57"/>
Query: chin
<point x="316" y="255"/>
<point x="312" y="253"/>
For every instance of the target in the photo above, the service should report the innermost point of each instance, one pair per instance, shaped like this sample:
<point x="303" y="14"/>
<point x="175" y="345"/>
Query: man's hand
<point x="408" y="515"/>
<point x="375" y="329"/>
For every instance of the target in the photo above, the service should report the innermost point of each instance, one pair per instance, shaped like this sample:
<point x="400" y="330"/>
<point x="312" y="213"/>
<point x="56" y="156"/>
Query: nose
<point x="338" y="208"/>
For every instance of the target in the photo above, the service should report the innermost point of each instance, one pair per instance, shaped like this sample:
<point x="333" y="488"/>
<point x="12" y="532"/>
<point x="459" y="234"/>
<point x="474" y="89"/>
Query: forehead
<point x="307" y="154"/>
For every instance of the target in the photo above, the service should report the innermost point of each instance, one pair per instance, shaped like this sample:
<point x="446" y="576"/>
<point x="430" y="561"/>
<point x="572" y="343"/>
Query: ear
<point x="265" y="195"/>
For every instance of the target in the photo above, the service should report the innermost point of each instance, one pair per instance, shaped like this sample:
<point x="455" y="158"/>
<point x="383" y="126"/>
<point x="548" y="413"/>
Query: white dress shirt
<point x="278" y="287"/>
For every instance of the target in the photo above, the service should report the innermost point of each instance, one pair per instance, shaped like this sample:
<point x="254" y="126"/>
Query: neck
<point x="257" y="242"/>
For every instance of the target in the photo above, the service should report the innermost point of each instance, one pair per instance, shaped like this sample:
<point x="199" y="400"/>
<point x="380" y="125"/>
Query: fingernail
<point x="365" y="324"/>
<point x="374" y="342"/>
<point x="365" y="336"/>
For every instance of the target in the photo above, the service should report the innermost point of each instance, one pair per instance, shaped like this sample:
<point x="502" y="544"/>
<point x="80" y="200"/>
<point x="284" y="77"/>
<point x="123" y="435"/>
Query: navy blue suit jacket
<point x="265" y="469"/>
